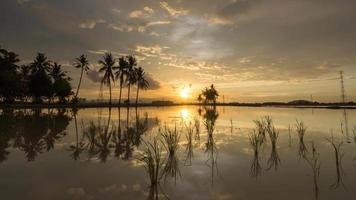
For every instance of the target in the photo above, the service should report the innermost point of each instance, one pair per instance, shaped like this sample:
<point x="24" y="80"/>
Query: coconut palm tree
<point x="130" y="75"/>
<point x="121" y="74"/>
<point x="141" y="81"/>
<point x="200" y="98"/>
<point x="40" y="64"/>
<point x="108" y="67"/>
<point x="210" y="95"/>
<point x="56" y="72"/>
<point x="81" y="63"/>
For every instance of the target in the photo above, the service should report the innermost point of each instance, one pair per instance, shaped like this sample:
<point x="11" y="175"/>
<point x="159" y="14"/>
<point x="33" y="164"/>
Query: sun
<point x="184" y="93"/>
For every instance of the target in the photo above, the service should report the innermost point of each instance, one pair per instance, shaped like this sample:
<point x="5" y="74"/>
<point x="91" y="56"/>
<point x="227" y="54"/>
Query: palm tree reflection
<point x="78" y="148"/>
<point x="101" y="139"/>
<point x="32" y="131"/>
<point x="210" y="116"/>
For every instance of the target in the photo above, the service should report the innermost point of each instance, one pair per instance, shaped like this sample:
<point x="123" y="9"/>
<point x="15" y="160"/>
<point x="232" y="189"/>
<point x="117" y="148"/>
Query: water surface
<point x="93" y="154"/>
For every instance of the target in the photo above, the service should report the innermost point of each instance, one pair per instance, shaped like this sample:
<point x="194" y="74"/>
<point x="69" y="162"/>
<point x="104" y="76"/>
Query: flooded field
<point x="183" y="152"/>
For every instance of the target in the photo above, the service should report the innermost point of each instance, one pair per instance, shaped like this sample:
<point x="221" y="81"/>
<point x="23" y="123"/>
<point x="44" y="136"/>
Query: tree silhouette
<point x="40" y="64"/>
<point x="141" y="81"/>
<point x="108" y="67"/>
<point x="81" y="63"/>
<point x="57" y="73"/>
<point x="40" y="84"/>
<point x="9" y="77"/>
<point x="210" y="95"/>
<point x="121" y="73"/>
<point x="131" y="76"/>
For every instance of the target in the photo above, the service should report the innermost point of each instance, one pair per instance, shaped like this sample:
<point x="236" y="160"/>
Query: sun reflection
<point x="184" y="113"/>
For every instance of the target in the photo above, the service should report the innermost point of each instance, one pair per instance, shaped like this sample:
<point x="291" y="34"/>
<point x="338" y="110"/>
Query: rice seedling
<point x="338" y="162"/>
<point x="152" y="160"/>
<point x="301" y="130"/>
<point x="189" y="147"/>
<point x="261" y="130"/>
<point x="314" y="162"/>
<point x="268" y="122"/>
<point x="170" y="141"/>
<point x="255" y="169"/>
<point x="274" y="160"/>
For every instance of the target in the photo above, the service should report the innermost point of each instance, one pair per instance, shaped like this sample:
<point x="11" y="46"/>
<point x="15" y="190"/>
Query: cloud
<point x="91" y="24"/>
<point x="236" y="8"/>
<point x="94" y="76"/>
<point x="173" y="11"/>
<point x="153" y="84"/>
<point x="123" y="27"/>
<point x="219" y="21"/>
<point x="23" y="1"/>
<point x="146" y="12"/>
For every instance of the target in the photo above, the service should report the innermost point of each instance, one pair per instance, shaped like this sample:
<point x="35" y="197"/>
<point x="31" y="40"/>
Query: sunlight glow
<point x="184" y="93"/>
<point x="184" y="113"/>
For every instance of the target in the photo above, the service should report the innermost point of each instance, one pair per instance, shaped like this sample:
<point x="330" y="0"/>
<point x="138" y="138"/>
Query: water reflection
<point x="189" y="147"/>
<point x="255" y="169"/>
<point x="313" y="161"/>
<point x="170" y="141"/>
<point x="338" y="162"/>
<point x="101" y="138"/>
<point x="264" y="154"/>
<point x="79" y="147"/>
<point x="32" y="131"/>
<point x="210" y="116"/>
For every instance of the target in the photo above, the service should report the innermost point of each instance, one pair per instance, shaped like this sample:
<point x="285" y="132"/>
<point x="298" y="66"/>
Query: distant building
<point x="162" y="102"/>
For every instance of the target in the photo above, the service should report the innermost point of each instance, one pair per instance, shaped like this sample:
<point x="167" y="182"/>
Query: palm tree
<point x="210" y="94"/>
<point x="121" y="73"/>
<point x="130" y="74"/>
<point x="56" y="72"/>
<point x="108" y="67"/>
<point x="40" y="64"/>
<point x="8" y="60"/>
<point x="200" y="98"/>
<point x="141" y="81"/>
<point x="82" y="63"/>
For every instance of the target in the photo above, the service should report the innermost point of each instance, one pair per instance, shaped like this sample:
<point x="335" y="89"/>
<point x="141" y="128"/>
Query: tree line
<point x="43" y="80"/>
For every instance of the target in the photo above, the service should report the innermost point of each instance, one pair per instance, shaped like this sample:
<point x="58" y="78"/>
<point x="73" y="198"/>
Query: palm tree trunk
<point x="76" y="130"/>
<point x="128" y="94"/>
<point x="138" y="88"/>
<point x="120" y="92"/>
<point x="110" y="93"/>
<point x="127" y="117"/>
<point x="80" y="82"/>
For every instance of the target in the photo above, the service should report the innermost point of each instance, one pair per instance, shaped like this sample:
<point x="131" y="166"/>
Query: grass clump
<point x="301" y="130"/>
<point x="170" y="141"/>
<point x="152" y="160"/>
<point x="256" y="168"/>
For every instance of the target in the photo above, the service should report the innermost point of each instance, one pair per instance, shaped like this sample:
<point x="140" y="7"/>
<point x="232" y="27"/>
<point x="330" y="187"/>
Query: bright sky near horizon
<point x="252" y="50"/>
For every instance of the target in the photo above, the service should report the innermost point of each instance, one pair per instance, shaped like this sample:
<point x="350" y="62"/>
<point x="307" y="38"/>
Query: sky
<point x="251" y="50"/>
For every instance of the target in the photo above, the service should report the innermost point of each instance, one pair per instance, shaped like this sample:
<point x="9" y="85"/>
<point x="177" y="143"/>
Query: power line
<point x="343" y="93"/>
